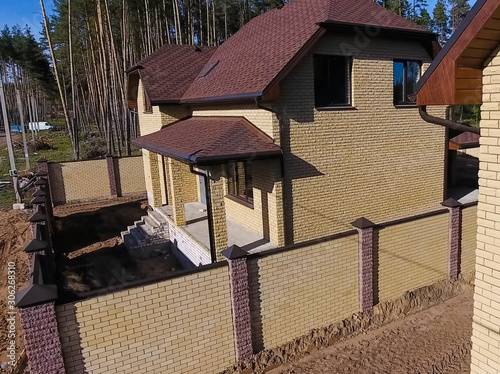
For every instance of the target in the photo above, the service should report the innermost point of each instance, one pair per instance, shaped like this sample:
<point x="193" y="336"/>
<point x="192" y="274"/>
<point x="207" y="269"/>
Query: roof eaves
<point x="450" y="43"/>
<point x="239" y="156"/>
<point x="134" y="68"/>
<point x="164" y="102"/>
<point x="165" y="152"/>
<point x="306" y="47"/>
<point x="224" y="98"/>
<point x="332" y="23"/>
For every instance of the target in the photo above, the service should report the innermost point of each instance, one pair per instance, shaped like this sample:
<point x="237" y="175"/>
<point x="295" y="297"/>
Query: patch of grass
<point x="60" y="150"/>
<point x="7" y="197"/>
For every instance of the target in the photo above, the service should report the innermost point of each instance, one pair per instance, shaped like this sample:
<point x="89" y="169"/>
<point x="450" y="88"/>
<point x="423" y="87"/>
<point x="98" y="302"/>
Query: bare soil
<point x="86" y="227"/>
<point x="436" y="340"/>
<point x="95" y="257"/>
<point x="16" y="137"/>
<point x="14" y="232"/>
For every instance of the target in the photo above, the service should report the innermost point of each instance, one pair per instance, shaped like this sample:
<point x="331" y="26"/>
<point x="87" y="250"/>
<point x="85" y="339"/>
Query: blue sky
<point x="28" y="12"/>
<point x="23" y="12"/>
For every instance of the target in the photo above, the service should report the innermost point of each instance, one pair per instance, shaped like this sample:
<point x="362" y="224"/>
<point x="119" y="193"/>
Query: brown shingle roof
<point x="199" y="140"/>
<point x="249" y="61"/>
<point x="466" y="140"/>
<point x="167" y="73"/>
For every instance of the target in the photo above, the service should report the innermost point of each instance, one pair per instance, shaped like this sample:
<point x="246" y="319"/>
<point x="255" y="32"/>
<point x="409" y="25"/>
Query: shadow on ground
<point x="82" y="229"/>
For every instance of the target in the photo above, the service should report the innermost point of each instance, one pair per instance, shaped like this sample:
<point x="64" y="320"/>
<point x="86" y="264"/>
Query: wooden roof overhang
<point x="455" y="76"/>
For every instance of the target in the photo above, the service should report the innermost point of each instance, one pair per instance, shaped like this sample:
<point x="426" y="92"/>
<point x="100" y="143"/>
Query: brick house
<point x="467" y="72"/>
<point x="297" y="125"/>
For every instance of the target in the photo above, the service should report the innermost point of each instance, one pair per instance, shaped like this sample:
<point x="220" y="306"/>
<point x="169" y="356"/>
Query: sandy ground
<point x="3" y="140"/>
<point x="436" y="340"/>
<point x="14" y="232"/>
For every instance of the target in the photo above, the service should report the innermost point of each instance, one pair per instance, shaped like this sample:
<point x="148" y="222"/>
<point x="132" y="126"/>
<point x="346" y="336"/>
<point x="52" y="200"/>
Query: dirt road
<point x="436" y="340"/>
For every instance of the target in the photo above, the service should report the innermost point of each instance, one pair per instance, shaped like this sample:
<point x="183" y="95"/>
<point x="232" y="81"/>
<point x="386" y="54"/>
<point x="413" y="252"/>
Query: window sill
<point x="335" y="108"/>
<point x="240" y="201"/>
<point x="403" y="106"/>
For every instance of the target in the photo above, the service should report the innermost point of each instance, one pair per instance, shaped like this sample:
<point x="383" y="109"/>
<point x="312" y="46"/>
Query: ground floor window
<point x="239" y="176"/>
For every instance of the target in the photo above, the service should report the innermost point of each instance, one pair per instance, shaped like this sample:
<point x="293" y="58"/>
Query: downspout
<point x="422" y="110"/>
<point x="211" y="236"/>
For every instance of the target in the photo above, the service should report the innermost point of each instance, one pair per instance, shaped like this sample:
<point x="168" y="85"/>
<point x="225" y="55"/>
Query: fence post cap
<point x="38" y="217"/>
<point x="451" y="203"/>
<point x="362" y="223"/>
<point x="35" y="245"/>
<point x="234" y="252"/>
<point x="38" y="200"/>
<point x="36" y="294"/>
<point x="39" y="192"/>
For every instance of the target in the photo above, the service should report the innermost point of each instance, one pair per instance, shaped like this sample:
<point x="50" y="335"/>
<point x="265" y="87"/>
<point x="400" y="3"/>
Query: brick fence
<point x="76" y="181"/>
<point x="204" y="320"/>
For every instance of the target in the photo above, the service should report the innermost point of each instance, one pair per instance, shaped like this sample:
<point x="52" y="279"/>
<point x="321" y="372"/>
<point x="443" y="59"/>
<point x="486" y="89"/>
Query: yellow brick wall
<point x="261" y="118"/>
<point x="161" y="115"/>
<point x="79" y="181"/>
<point x="376" y="161"/>
<point x="266" y="217"/>
<point x="410" y="255"/>
<point x="147" y="176"/>
<point x="486" y="321"/>
<point x="469" y="240"/>
<point x="296" y="291"/>
<point x="131" y="175"/>
<point x="152" y="122"/>
<point x="181" y="325"/>
<point x="163" y="179"/>
<point x="148" y="122"/>
<point x="189" y="184"/>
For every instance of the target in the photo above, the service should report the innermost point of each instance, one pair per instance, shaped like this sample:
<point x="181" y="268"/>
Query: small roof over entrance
<point x="464" y="140"/>
<point x="206" y="140"/>
<point x="455" y="76"/>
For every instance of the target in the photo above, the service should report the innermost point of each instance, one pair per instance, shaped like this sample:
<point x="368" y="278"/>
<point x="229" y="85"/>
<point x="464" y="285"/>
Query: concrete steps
<point x="148" y="234"/>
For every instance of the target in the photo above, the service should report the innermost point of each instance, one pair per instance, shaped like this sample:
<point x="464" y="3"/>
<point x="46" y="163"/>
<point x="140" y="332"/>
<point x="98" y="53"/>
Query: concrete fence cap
<point x="362" y="223"/>
<point x="451" y="203"/>
<point x="234" y="252"/>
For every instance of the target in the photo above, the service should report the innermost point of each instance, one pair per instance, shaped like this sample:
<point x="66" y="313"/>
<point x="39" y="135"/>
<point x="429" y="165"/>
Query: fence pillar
<point x="365" y="262"/>
<point x="240" y="301"/>
<point x="112" y="175"/>
<point x="454" y="237"/>
<point x="37" y="313"/>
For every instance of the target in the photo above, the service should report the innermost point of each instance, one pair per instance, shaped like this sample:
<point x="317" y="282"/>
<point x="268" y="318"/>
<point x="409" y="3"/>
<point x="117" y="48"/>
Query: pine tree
<point x="440" y="21"/>
<point x="459" y="9"/>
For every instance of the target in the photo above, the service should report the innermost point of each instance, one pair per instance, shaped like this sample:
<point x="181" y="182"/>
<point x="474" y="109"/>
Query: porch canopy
<point x="210" y="140"/>
<point x="455" y="76"/>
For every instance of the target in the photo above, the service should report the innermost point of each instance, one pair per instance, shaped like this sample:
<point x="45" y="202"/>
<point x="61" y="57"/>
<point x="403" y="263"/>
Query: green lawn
<point x="60" y="150"/>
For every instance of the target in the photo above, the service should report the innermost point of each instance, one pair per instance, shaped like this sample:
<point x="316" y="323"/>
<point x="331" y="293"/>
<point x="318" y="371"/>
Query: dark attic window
<point x="332" y="81"/>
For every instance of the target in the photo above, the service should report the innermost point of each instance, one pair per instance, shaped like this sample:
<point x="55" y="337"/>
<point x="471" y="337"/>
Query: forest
<point x="77" y="69"/>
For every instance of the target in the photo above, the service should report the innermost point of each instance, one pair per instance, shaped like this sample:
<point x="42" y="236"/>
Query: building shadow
<point x="71" y="342"/>
<point x="79" y="230"/>
<point x="376" y="263"/>
<point x="56" y="183"/>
